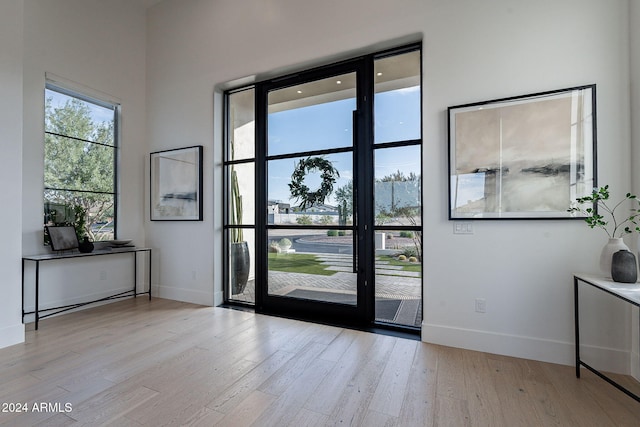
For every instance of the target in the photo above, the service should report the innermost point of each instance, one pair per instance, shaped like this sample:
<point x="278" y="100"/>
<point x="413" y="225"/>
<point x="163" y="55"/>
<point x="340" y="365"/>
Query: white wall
<point x="473" y="51"/>
<point x="522" y="268"/>
<point x="11" y="328"/>
<point x="634" y="25"/>
<point x="97" y="47"/>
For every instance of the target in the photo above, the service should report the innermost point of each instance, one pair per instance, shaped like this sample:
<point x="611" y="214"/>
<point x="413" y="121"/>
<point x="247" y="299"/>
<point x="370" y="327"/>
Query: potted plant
<point x="240" y="258"/>
<point x="600" y="213"/>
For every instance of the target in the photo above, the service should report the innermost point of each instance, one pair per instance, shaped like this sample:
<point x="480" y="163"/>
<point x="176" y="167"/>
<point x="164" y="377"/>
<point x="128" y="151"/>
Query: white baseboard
<point x="635" y="365"/>
<point x="543" y="350"/>
<point x="11" y="335"/>
<point x="184" y="295"/>
<point x="218" y="298"/>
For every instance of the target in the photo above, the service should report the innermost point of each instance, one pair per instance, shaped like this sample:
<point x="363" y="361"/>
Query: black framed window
<point x="80" y="163"/>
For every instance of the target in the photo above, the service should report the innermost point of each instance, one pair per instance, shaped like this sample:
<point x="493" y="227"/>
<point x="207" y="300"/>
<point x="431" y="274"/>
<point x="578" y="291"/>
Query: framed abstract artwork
<point x="524" y="157"/>
<point x="176" y="184"/>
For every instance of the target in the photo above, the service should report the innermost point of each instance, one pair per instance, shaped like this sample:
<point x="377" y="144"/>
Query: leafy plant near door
<point x="597" y="202"/>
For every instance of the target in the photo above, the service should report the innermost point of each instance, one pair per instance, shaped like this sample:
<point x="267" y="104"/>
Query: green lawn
<point x="298" y="263"/>
<point x="406" y="265"/>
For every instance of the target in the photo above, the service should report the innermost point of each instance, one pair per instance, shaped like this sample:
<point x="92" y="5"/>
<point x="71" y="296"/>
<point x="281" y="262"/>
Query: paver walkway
<point x="391" y="283"/>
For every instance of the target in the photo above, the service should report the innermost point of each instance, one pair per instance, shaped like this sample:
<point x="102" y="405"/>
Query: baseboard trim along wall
<point x="181" y="294"/>
<point x="605" y="359"/>
<point x="11" y="335"/>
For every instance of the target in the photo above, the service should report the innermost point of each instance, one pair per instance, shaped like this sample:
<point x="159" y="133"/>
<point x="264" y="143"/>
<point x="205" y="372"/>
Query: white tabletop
<point x="628" y="291"/>
<point x="76" y="254"/>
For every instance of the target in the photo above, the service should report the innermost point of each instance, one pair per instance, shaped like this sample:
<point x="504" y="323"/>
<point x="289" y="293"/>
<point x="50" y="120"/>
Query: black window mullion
<point x="88" y="141"/>
<point x="261" y="196"/>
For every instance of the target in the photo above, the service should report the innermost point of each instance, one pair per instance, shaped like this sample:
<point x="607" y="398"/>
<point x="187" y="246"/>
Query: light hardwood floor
<point x="164" y="363"/>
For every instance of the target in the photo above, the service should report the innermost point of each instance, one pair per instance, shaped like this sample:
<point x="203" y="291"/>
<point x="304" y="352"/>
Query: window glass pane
<point x="66" y="115"/>
<point x="76" y="165"/>
<point x="399" y="277"/>
<point x="312" y="116"/>
<point x="242" y="125"/>
<point x="90" y="213"/>
<point x="397" y="187"/>
<point x="397" y="98"/>
<point x="285" y="208"/>
<point x="313" y="265"/>
<point x="242" y="194"/>
<point x="241" y="260"/>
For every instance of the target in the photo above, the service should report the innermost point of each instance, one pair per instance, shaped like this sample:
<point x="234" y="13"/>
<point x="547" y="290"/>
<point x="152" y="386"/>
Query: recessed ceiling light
<point x="378" y="74"/>
<point x="299" y="91"/>
<point x="339" y="82"/>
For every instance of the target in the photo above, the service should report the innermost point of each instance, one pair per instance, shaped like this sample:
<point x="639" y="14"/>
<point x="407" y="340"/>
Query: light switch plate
<point x="462" y="227"/>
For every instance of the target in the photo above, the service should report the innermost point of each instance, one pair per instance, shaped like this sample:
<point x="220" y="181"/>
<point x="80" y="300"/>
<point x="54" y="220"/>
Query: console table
<point x="629" y="292"/>
<point x="58" y="256"/>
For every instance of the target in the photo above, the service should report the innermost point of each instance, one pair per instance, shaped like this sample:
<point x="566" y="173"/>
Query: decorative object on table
<point x="519" y="157"/>
<point x="122" y="243"/>
<point x="85" y="246"/>
<point x="176" y="184"/>
<point x="606" y="256"/>
<point x="611" y="224"/>
<point x="623" y="267"/>
<point x="301" y="192"/>
<point x="62" y="238"/>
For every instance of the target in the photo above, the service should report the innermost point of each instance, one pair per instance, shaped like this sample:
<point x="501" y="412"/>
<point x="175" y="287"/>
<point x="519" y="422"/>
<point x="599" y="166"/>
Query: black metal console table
<point x="629" y="292"/>
<point x="53" y="257"/>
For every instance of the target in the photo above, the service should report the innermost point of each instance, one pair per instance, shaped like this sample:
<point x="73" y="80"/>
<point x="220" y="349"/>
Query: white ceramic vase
<point x="613" y="246"/>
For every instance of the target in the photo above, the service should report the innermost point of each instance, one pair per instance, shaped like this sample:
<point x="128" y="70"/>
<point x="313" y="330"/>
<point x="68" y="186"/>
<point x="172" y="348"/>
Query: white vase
<point x="609" y="249"/>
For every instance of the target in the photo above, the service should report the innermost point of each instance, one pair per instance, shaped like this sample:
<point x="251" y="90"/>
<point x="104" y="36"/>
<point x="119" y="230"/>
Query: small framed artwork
<point x="62" y="238"/>
<point x="525" y="157"/>
<point x="176" y="184"/>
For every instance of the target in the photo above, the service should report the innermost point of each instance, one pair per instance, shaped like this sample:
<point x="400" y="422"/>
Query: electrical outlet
<point x="481" y="305"/>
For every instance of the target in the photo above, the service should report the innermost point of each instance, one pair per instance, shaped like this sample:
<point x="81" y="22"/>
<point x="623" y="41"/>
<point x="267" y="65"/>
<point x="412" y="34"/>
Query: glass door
<point x="324" y="192"/>
<point x="312" y="225"/>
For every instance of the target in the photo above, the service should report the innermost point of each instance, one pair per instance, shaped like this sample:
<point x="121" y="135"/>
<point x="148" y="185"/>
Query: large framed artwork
<point x="176" y="184"/>
<point x="522" y="157"/>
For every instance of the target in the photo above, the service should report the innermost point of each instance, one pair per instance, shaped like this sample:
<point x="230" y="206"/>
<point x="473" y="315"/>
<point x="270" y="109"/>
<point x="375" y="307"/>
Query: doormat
<point x="386" y="309"/>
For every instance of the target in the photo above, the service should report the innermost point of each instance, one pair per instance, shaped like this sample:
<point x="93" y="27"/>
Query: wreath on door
<point x="303" y="195"/>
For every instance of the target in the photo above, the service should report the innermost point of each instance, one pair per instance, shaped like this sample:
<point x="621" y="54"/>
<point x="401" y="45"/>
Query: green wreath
<point x="303" y="195"/>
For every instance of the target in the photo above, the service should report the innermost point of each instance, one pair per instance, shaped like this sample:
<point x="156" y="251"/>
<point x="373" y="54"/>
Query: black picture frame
<point x="62" y="238"/>
<point x="523" y="157"/>
<point x="176" y="184"/>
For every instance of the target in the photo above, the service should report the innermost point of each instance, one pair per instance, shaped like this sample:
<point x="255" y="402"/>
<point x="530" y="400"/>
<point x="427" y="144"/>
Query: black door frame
<point x="359" y="314"/>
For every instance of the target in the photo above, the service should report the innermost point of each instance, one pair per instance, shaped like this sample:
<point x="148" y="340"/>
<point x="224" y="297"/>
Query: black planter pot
<point x="85" y="246"/>
<point x="240" y="264"/>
